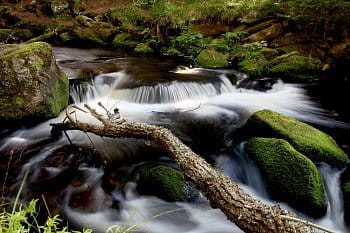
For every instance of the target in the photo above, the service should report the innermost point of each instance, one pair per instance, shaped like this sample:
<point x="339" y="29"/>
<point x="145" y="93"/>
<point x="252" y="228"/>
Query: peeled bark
<point x="247" y="213"/>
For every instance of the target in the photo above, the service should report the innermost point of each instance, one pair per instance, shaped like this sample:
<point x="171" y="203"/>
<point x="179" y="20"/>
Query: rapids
<point x="186" y="100"/>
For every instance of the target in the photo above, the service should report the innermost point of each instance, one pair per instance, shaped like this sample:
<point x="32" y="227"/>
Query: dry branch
<point x="247" y="213"/>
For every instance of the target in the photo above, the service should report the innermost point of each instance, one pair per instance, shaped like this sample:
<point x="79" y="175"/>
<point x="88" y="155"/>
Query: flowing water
<point x="200" y="106"/>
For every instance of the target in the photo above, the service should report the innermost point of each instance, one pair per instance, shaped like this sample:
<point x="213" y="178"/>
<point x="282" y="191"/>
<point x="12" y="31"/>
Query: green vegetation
<point x="24" y="219"/>
<point x="124" y="40"/>
<point x="290" y="176"/>
<point x="311" y="142"/>
<point x="189" y="43"/>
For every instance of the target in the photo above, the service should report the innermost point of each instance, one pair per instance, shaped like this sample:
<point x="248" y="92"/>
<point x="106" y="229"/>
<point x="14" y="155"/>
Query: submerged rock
<point x="290" y="176"/>
<point x="32" y="85"/>
<point x="210" y="58"/>
<point x="314" y="144"/>
<point x="164" y="182"/>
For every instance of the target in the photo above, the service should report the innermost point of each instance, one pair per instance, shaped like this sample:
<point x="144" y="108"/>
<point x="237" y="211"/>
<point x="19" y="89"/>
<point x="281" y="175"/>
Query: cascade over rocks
<point x="31" y="85"/>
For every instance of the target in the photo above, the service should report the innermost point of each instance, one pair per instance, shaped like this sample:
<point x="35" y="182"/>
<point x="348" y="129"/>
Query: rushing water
<point x="185" y="99"/>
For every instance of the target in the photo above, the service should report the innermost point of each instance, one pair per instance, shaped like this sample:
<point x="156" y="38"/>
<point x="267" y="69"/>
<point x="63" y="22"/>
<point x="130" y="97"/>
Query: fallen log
<point x="240" y="208"/>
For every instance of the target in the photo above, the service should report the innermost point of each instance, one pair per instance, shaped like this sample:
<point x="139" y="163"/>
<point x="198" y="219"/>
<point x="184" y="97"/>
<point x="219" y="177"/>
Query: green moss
<point x="65" y="37"/>
<point x="189" y="43"/>
<point x="143" y="48"/>
<point x="316" y="145"/>
<point x="124" y="40"/>
<point x="59" y="95"/>
<point x="210" y="58"/>
<point x="290" y="176"/>
<point x="164" y="182"/>
<point x="295" y="67"/>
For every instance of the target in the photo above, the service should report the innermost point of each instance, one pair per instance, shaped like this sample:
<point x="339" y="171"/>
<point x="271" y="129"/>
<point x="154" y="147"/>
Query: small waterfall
<point x="334" y="218"/>
<point x="115" y="86"/>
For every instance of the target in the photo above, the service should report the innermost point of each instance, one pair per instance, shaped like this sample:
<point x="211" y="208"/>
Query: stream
<point x="201" y="106"/>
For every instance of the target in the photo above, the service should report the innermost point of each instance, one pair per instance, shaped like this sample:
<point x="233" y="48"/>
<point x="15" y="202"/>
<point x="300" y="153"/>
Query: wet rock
<point x="259" y="84"/>
<point x="311" y="142"/>
<point x="294" y="67"/>
<point x="32" y="85"/>
<point x="164" y="182"/>
<point x="210" y="58"/>
<point x="91" y="31"/>
<point x="290" y="176"/>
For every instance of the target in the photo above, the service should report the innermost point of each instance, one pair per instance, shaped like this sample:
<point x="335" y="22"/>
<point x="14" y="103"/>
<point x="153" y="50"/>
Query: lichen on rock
<point x="32" y="85"/>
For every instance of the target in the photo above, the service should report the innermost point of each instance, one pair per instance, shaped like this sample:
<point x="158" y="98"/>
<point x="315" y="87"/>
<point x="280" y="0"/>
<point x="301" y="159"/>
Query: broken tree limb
<point x="240" y="208"/>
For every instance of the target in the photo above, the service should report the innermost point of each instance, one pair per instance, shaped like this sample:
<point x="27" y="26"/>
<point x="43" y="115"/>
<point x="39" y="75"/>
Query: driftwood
<point x="247" y="213"/>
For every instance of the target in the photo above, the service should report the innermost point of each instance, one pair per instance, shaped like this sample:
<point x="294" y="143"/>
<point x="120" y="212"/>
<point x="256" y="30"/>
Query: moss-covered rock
<point x="9" y="35"/>
<point x="210" y="58"/>
<point x="290" y="176"/>
<point x="44" y="37"/>
<point x="89" y="30"/>
<point x="162" y="181"/>
<point x="345" y="187"/>
<point x="266" y="34"/>
<point x="314" y="144"/>
<point x="294" y="67"/>
<point x="124" y="40"/>
<point x="253" y="58"/>
<point x="32" y="85"/>
<point x="143" y="48"/>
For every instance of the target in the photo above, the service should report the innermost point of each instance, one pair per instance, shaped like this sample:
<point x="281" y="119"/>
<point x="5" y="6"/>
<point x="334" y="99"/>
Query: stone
<point x="31" y="85"/>
<point x="311" y="142"/>
<point x="290" y="176"/>
<point x="124" y="40"/>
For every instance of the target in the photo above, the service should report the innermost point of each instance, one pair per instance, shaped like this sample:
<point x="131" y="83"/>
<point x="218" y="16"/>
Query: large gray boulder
<point x="32" y="86"/>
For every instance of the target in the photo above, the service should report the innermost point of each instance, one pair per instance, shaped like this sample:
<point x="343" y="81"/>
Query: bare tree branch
<point x="247" y="213"/>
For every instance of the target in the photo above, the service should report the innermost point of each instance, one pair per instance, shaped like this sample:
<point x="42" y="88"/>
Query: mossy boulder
<point x="314" y="144"/>
<point x="266" y="34"/>
<point x="210" y="58"/>
<point x="290" y="176"/>
<point x="31" y="85"/>
<point x="124" y="40"/>
<point x="345" y="187"/>
<point x="164" y="182"/>
<point x="293" y="67"/>
<point x="91" y="31"/>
